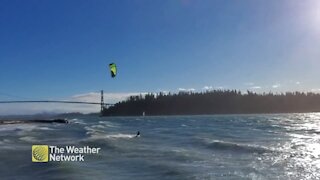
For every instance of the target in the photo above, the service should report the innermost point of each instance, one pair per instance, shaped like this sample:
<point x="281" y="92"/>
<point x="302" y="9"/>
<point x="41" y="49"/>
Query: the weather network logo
<point x="40" y="153"/>
<point x="47" y="153"/>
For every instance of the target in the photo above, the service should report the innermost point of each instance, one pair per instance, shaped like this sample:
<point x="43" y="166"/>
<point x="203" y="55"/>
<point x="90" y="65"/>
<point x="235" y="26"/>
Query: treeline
<point x="215" y="102"/>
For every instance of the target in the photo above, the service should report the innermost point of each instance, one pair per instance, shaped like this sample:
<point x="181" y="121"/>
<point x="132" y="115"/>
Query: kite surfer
<point x="138" y="134"/>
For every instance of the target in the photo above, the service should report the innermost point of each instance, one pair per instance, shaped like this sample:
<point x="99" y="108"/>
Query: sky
<point x="60" y="49"/>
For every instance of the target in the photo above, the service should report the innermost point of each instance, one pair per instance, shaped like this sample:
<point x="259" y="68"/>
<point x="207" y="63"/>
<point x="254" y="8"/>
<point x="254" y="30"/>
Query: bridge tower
<point x="102" y="102"/>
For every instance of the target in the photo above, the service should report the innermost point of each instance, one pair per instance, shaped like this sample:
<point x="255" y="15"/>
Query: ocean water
<point x="278" y="146"/>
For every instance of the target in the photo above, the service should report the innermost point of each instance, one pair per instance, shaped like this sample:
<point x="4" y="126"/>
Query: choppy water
<point x="285" y="146"/>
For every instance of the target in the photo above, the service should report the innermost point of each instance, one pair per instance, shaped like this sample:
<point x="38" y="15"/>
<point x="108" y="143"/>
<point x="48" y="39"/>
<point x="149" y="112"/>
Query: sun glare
<point x="314" y="15"/>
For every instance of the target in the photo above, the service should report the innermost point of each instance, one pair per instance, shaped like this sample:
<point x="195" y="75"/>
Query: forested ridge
<point x="215" y="102"/>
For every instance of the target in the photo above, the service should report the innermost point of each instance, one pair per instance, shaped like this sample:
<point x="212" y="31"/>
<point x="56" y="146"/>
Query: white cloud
<point x="298" y="83"/>
<point x="163" y="91"/>
<point x="206" y="88"/>
<point x="276" y="86"/>
<point x="255" y="87"/>
<point x="186" y="90"/>
<point x="315" y="90"/>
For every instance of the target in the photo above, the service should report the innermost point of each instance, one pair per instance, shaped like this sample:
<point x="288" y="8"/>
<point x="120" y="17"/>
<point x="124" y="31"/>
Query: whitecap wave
<point x="112" y="136"/>
<point x="109" y="124"/>
<point x="77" y="121"/>
<point x="237" y="147"/>
<point x="28" y="139"/>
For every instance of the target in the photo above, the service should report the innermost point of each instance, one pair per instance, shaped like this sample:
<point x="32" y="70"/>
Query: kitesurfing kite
<point x="113" y="70"/>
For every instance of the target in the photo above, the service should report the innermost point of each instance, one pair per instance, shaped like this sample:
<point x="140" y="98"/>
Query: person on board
<point x="138" y="134"/>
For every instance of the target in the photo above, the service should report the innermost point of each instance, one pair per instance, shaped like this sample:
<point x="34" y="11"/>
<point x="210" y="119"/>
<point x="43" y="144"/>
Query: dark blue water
<point x="284" y="146"/>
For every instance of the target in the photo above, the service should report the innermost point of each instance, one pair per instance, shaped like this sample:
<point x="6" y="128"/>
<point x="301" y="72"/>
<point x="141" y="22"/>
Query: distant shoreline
<point x="226" y="114"/>
<point x="29" y="117"/>
<point x="215" y="103"/>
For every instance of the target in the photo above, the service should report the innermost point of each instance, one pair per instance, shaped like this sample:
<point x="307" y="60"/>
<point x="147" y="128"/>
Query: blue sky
<point x="60" y="49"/>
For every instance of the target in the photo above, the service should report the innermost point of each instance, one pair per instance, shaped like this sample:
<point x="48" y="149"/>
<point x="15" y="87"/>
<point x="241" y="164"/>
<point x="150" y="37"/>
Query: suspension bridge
<point x="102" y="104"/>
